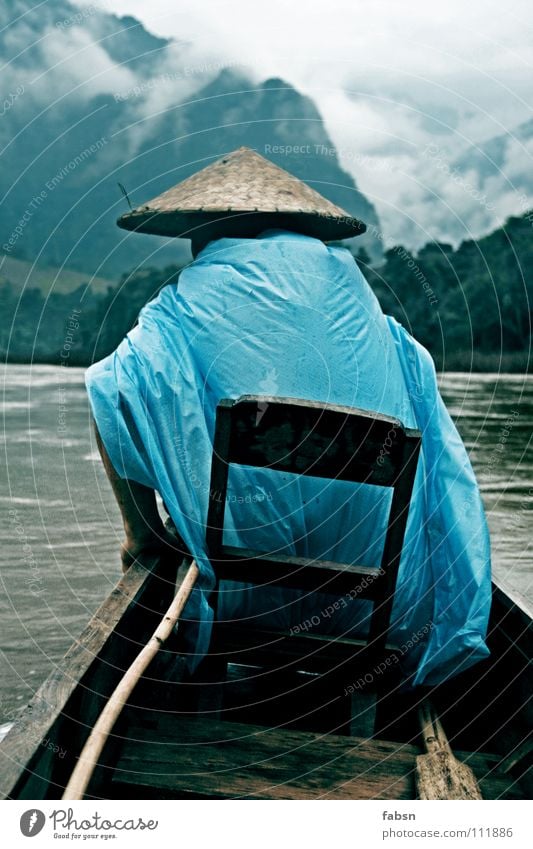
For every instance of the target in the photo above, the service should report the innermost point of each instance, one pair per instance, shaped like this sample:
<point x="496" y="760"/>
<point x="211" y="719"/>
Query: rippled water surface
<point x="61" y="530"/>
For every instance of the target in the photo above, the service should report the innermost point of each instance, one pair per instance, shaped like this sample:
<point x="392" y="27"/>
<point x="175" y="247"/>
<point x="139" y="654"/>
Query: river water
<point x="61" y="529"/>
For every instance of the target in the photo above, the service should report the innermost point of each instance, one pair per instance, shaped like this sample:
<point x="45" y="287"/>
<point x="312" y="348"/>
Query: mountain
<point x="490" y="158"/>
<point x="94" y="100"/>
<point x="21" y="274"/>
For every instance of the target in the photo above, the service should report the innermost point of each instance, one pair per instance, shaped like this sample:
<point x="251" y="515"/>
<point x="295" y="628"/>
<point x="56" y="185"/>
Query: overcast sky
<point x="389" y="77"/>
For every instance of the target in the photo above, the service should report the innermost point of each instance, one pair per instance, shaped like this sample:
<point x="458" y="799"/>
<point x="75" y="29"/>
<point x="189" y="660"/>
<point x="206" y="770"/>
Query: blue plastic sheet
<point x="287" y="315"/>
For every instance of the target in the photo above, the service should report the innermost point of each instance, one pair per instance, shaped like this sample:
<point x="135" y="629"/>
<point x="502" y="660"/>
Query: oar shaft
<point x="433" y="734"/>
<point x="92" y="750"/>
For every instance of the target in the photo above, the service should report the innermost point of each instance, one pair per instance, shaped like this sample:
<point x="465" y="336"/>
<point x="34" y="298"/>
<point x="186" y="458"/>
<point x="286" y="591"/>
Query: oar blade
<point x="440" y="776"/>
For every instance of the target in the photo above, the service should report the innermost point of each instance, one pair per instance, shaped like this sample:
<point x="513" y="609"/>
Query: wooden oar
<point x="90" y="753"/>
<point x="439" y="775"/>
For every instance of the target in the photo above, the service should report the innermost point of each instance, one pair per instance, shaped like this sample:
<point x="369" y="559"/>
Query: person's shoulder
<point x="411" y="346"/>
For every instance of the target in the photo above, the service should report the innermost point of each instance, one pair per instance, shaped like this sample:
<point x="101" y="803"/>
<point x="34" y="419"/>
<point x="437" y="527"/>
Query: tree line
<point x="470" y="306"/>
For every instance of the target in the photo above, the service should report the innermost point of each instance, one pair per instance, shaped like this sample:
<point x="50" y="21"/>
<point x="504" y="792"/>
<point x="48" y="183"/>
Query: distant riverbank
<point x="519" y="362"/>
<point x="469" y="306"/>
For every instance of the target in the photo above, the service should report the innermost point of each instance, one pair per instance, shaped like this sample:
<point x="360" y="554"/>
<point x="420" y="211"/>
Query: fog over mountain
<point x="410" y="93"/>
<point x="418" y="143"/>
<point x="93" y="100"/>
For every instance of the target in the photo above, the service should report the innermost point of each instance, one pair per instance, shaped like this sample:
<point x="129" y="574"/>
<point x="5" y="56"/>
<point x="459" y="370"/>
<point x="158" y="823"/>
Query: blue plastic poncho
<point x="286" y="315"/>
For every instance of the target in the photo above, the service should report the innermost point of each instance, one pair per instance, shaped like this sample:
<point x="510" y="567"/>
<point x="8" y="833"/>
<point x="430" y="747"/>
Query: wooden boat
<point x="271" y="732"/>
<point x="267" y="715"/>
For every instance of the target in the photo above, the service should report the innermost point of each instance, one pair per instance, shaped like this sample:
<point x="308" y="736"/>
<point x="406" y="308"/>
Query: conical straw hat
<point x="241" y="195"/>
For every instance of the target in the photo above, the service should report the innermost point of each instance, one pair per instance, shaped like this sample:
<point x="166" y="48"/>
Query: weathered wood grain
<point x="310" y="652"/>
<point x="91" y="752"/>
<point x="231" y="760"/>
<point x="439" y="775"/>
<point x="176" y="757"/>
<point x="325" y="576"/>
<point x="326" y="441"/>
<point x="322" y="440"/>
<point x="88" y="670"/>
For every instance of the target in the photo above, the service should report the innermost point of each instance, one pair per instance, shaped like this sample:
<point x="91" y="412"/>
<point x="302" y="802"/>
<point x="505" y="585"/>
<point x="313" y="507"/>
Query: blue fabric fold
<point x="287" y="315"/>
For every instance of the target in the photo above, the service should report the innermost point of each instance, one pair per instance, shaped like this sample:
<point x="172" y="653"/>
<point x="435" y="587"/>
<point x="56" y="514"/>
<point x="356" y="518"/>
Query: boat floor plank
<point x="232" y="760"/>
<point x="175" y="757"/>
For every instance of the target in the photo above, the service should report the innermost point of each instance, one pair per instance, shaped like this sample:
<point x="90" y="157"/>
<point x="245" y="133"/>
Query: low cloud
<point x="72" y="60"/>
<point x="389" y="79"/>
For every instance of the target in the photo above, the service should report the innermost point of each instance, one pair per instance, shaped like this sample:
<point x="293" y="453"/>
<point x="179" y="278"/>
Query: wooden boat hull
<point x="304" y="739"/>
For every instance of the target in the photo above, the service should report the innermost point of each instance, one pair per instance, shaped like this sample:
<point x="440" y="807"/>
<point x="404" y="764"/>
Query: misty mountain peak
<point x="100" y="100"/>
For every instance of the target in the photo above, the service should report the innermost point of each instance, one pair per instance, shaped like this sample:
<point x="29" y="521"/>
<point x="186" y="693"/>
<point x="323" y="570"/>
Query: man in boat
<point x="267" y="307"/>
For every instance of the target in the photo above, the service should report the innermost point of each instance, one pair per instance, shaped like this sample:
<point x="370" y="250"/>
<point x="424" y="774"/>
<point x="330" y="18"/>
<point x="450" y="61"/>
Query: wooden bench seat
<point x="174" y="757"/>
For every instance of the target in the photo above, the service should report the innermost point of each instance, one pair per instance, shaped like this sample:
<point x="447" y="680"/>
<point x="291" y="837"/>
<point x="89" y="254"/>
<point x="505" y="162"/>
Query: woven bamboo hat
<point x="241" y="194"/>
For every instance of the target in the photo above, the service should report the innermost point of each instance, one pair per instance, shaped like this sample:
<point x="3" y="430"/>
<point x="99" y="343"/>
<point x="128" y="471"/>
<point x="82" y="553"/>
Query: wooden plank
<point x="512" y="614"/>
<point x="231" y="760"/>
<point x="316" y="405"/>
<point x="26" y="767"/>
<point x="175" y="757"/>
<point x="241" y="564"/>
<point x="219" y="478"/>
<point x="292" y="699"/>
<point x="90" y="755"/>
<point x="392" y="551"/>
<point x="493" y="781"/>
<point x="440" y="776"/>
<point x="310" y="652"/>
<point x="321" y="440"/>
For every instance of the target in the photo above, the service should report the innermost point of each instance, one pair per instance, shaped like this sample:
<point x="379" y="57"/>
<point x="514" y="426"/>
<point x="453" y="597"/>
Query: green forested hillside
<point x="471" y="307"/>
